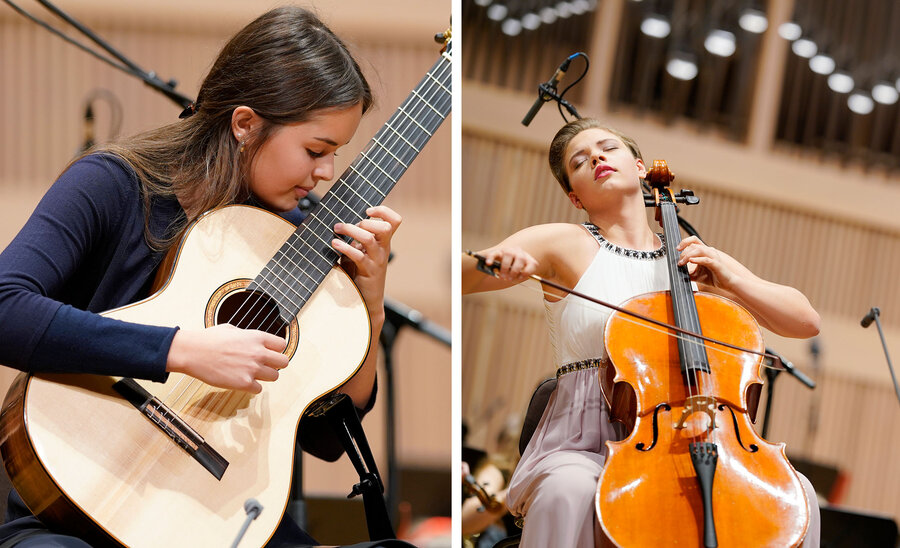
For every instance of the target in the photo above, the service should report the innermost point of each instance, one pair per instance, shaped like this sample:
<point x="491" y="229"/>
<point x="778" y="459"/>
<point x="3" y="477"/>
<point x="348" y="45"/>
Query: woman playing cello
<point x="613" y="257"/>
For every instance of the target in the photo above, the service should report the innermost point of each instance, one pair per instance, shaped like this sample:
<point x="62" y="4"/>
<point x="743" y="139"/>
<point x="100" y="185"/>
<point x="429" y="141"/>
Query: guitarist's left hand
<point x="366" y="260"/>
<point x="368" y="254"/>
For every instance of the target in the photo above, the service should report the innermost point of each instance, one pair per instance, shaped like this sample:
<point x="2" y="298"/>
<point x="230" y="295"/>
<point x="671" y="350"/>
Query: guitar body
<point x="87" y="460"/>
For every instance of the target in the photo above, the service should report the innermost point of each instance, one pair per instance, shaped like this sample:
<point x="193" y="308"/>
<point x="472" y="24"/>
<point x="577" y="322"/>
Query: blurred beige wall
<point x="43" y="86"/>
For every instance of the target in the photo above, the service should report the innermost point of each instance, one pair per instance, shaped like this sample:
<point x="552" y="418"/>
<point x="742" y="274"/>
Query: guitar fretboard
<point x="304" y="260"/>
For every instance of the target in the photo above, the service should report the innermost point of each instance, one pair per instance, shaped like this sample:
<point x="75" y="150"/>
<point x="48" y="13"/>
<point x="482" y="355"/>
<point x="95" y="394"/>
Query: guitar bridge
<point x="169" y="422"/>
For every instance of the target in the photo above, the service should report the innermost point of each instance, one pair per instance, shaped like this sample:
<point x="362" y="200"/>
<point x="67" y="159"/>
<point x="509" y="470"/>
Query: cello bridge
<point x="698" y="404"/>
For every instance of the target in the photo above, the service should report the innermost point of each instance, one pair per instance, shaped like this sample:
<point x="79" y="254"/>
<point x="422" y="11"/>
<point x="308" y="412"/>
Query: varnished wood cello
<point x="692" y="471"/>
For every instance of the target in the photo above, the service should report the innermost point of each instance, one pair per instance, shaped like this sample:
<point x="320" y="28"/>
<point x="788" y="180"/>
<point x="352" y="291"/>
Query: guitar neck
<point x="304" y="260"/>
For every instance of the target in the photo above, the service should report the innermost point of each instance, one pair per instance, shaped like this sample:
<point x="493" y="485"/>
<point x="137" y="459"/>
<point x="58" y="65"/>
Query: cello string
<point x="688" y="311"/>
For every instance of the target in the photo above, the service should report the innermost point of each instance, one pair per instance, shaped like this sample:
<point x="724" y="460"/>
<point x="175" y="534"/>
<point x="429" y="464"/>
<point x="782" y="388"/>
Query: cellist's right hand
<point x="227" y="356"/>
<point x="509" y="265"/>
<point x="514" y="264"/>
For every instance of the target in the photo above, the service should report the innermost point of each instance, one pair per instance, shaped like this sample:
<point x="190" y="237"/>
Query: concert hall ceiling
<point x="702" y="60"/>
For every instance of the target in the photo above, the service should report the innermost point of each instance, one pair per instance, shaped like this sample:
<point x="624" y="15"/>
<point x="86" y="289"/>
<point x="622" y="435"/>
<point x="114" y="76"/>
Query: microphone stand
<point x="126" y="66"/>
<point x="772" y="374"/>
<point x="547" y="92"/>
<point x="874" y="314"/>
<point x="396" y="316"/>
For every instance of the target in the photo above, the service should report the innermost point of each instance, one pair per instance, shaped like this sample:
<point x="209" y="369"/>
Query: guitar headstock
<point x="444" y="38"/>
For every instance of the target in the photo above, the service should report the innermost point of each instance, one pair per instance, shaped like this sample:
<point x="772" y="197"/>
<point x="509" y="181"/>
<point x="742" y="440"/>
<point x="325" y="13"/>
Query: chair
<point x="533" y="415"/>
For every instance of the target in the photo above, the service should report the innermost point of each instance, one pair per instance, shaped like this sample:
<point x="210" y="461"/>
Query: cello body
<point x="692" y="471"/>
<point x="651" y="497"/>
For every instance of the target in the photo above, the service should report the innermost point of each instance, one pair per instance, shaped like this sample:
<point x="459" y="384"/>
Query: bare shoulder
<point x="553" y="240"/>
<point x="568" y="248"/>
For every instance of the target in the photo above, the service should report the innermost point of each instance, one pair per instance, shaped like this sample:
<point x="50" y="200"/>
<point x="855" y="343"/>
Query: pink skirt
<point x="554" y="484"/>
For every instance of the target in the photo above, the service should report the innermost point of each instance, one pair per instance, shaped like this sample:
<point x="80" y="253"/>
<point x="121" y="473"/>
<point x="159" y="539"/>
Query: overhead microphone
<point x="544" y="90"/>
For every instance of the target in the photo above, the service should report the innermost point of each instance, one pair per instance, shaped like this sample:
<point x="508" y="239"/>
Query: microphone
<point x="870" y="317"/>
<point x="789" y="367"/>
<point x="253" y="509"/>
<point x="544" y="91"/>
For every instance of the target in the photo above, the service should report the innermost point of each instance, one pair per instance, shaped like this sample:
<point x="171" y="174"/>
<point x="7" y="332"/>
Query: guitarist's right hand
<point x="228" y="357"/>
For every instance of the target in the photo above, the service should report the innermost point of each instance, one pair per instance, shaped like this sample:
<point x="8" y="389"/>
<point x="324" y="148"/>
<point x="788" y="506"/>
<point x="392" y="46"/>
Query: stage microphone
<point x="253" y="509"/>
<point x="543" y="95"/>
<point x="870" y="317"/>
<point x="88" y="127"/>
<point x="789" y="367"/>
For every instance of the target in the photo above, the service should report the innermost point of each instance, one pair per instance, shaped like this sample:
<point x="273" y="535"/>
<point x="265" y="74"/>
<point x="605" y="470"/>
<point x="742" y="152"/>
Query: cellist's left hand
<point x="706" y="264"/>
<point x="779" y="308"/>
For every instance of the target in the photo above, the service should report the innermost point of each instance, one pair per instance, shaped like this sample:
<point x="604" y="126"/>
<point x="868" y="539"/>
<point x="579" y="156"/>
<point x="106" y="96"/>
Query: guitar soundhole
<point x="251" y="310"/>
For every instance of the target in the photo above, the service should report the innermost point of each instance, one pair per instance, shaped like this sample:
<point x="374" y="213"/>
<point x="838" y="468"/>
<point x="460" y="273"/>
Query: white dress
<point x="553" y="485"/>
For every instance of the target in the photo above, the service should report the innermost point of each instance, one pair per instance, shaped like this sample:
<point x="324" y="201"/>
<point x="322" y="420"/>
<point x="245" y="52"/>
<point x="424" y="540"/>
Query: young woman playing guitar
<point x="281" y="98"/>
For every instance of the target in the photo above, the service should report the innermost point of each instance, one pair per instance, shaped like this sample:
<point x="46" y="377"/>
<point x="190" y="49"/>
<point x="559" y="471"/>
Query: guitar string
<point x="247" y="395"/>
<point x="332" y="212"/>
<point x="379" y="148"/>
<point x="279" y="290"/>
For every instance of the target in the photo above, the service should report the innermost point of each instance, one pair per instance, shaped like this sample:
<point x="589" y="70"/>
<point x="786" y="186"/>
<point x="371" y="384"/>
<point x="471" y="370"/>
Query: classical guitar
<point x="119" y="460"/>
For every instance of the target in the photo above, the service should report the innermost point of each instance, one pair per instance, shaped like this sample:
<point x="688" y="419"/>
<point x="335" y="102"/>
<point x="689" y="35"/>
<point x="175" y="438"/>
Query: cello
<point x="691" y="463"/>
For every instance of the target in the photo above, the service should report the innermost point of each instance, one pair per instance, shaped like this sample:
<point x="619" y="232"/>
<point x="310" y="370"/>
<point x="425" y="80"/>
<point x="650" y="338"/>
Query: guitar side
<point x="86" y="459"/>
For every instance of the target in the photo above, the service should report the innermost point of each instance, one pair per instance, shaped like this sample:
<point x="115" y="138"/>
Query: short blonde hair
<point x="566" y="134"/>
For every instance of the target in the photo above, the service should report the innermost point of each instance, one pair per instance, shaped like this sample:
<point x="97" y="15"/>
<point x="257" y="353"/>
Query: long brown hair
<point x="285" y="65"/>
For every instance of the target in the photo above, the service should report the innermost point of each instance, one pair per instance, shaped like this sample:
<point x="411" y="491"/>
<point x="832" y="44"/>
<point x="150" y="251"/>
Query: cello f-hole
<point x="665" y="406"/>
<point x="753" y="448"/>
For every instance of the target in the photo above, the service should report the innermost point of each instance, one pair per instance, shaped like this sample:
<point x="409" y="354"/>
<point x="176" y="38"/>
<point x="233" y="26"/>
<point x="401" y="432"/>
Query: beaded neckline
<point x="633" y="253"/>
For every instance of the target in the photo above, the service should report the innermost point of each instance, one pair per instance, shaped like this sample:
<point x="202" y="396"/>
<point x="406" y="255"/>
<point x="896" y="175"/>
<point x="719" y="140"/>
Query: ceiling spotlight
<point x="804" y="48"/>
<point x="531" y="21"/>
<point x="885" y="93"/>
<point x="656" y="26"/>
<point x="841" y="82"/>
<point x="822" y="64"/>
<point x="548" y="15"/>
<point x="754" y="21"/>
<point x="497" y="12"/>
<point x="682" y="66"/>
<point x="511" y="27"/>
<point x="483" y="3"/>
<point x="580" y="7"/>
<point x="860" y="102"/>
<point x="790" y="31"/>
<point x="720" y="42"/>
<point x="564" y="9"/>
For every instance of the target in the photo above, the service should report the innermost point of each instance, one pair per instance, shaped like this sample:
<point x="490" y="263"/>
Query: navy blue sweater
<point x="83" y="251"/>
